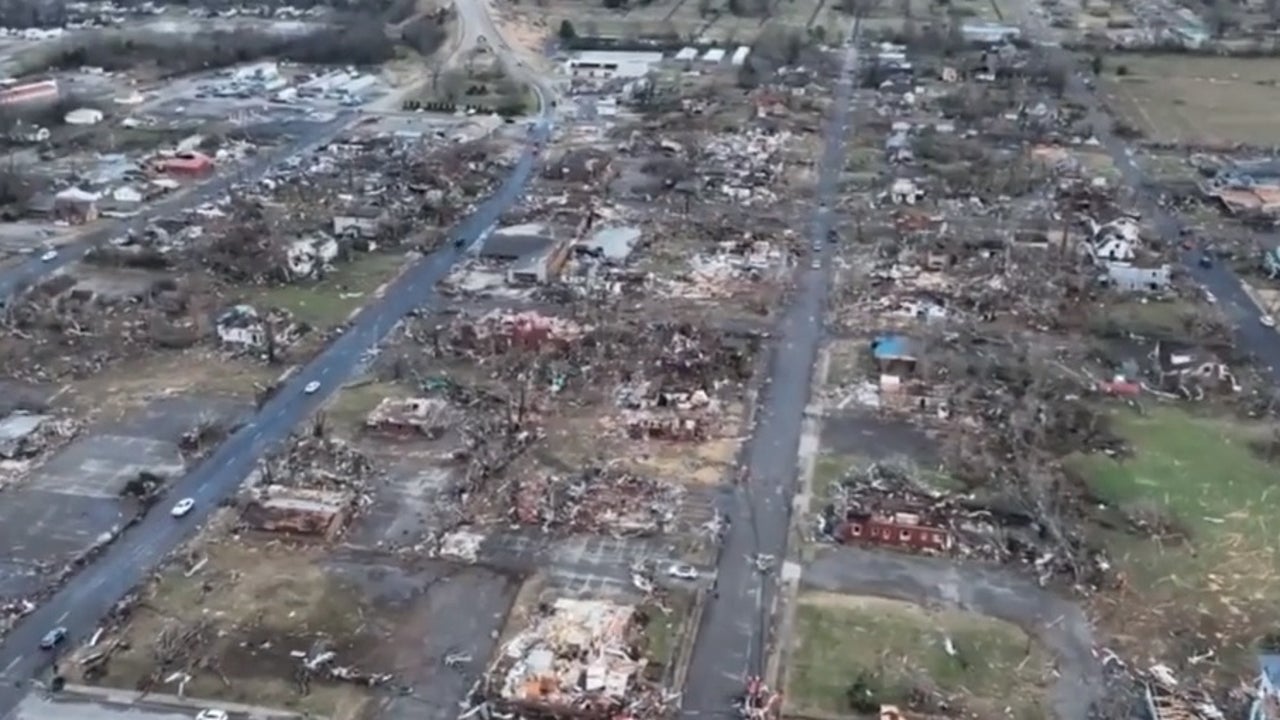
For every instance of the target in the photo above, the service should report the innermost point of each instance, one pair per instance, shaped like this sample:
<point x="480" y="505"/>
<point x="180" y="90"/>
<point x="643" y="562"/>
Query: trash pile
<point x="596" y="500"/>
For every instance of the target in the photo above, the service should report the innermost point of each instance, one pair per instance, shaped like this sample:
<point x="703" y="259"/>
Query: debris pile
<point x="318" y="462"/>
<point x="599" y="500"/>
<point x="402" y="417"/>
<point x="61" y="330"/>
<point x="577" y="658"/>
<point x="314" y="488"/>
<point x="24" y="435"/>
<point x="497" y="332"/>
<point x="886" y="505"/>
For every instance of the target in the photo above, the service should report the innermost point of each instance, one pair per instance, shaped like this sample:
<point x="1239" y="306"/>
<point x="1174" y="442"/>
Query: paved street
<point x="1056" y="622"/>
<point x="733" y="636"/>
<point x="1251" y="335"/>
<point x="32" y="269"/>
<point x="90" y="594"/>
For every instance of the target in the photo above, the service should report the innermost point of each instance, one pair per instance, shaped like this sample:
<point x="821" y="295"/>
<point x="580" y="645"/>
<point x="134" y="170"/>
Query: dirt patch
<point x="110" y="395"/>
<point x="249" y="610"/>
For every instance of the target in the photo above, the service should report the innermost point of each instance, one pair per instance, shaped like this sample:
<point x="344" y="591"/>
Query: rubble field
<point x="1193" y="99"/>
<point x="1025" y="367"/>
<point x="858" y="654"/>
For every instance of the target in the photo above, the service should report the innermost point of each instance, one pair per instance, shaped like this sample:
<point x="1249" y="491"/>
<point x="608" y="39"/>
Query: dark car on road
<point x="53" y="638"/>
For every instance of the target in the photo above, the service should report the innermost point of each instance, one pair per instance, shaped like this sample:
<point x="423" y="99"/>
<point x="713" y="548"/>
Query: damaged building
<point x="299" y="511"/>
<point x="596" y="500"/>
<point x="578" y="658"/>
<point x="408" y="417"/>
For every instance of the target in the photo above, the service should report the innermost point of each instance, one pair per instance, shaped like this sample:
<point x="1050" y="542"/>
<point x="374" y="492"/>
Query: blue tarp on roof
<point x="888" y="347"/>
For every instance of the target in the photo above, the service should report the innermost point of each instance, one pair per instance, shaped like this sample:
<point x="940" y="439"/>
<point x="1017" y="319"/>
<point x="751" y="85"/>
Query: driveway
<point x="1056" y="622"/>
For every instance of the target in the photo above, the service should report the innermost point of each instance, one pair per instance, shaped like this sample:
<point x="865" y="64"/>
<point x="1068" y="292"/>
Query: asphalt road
<point x="734" y="632"/>
<point x="31" y="270"/>
<point x="1225" y="285"/>
<point x="89" y="595"/>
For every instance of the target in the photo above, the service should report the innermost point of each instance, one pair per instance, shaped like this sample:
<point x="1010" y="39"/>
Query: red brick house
<point x="898" y="529"/>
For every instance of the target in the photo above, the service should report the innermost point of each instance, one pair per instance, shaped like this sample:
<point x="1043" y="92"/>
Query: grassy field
<point x="349" y="408"/>
<point x="897" y="647"/>
<point x="328" y="302"/>
<point x="1190" y="98"/>
<point x="1221" y="582"/>
<point x="667" y="627"/>
<point x="1151" y="319"/>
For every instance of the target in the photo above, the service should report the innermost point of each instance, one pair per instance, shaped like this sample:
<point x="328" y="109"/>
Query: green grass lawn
<point x="327" y="303"/>
<point x="1222" y="581"/>
<point x="897" y="647"/>
<point x="1154" y="318"/>
<point x="668" y="624"/>
<point x="349" y="408"/>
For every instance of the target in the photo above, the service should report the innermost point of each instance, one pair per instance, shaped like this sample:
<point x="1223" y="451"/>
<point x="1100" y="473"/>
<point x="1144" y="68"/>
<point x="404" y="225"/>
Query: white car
<point x="682" y="571"/>
<point x="182" y="507"/>
<point x="311" y="387"/>
<point x="1267" y="321"/>
<point x="49" y="256"/>
<point x="212" y="714"/>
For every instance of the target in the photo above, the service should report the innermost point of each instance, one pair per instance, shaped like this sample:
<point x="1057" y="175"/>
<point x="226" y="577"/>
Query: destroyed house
<point x="1130" y="279"/>
<point x="361" y="221"/>
<point x="899" y="529"/>
<point x="574" y="660"/>
<point x="410" y="416"/>
<point x="240" y="326"/>
<point x="611" y="245"/>
<point x="579" y="166"/>
<point x="18" y="434"/>
<point x="667" y="425"/>
<point x="516" y="242"/>
<point x="531" y="251"/>
<point x="894" y="354"/>
<point x="299" y="511"/>
<point x="1173" y="359"/>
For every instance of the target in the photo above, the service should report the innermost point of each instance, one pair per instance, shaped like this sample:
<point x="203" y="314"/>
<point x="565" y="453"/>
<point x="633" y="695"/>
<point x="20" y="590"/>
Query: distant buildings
<point x="34" y="93"/>
<point x="611" y="64"/>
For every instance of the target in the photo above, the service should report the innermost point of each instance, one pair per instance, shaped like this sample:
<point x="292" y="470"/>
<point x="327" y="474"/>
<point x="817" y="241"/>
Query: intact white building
<point x="714" y="55"/>
<point x="740" y="55"/>
<point x="610" y="64"/>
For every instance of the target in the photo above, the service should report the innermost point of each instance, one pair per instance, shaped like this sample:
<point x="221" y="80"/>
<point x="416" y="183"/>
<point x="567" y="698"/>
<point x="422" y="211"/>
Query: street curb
<point x="789" y="588"/>
<point x="683" y="658"/>
<point x="133" y="697"/>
